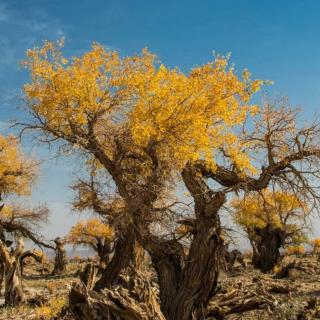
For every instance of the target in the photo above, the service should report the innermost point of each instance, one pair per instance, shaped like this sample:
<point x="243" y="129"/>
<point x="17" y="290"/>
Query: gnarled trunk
<point x="13" y="294"/>
<point x="267" y="253"/>
<point x="188" y="283"/>
<point x="123" y="253"/>
<point x="60" y="260"/>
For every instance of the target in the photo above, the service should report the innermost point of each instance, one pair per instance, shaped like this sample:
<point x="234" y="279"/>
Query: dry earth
<point x="295" y="296"/>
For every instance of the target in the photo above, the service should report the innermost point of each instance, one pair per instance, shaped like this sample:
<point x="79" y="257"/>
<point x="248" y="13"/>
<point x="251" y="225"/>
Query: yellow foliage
<point x="51" y="309"/>
<point x="295" y="250"/>
<point x="87" y="232"/>
<point x="185" y="116"/>
<point x="316" y="245"/>
<point x="52" y="287"/>
<point x="316" y="242"/>
<point x="277" y="209"/>
<point x="17" y="173"/>
<point x="276" y="269"/>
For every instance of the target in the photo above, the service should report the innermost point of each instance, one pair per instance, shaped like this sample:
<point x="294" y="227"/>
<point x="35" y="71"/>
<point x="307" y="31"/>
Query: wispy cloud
<point x="21" y="29"/>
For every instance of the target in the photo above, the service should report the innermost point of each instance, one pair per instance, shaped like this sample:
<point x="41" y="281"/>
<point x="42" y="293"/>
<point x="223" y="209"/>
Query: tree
<point x="17" y="174"/>
<point x="12" y="261"/>
<point x="151" y="128"/>
<point x="272" y="220"/>
<point x="60" y="259"/>
<point x="94" y="234"/>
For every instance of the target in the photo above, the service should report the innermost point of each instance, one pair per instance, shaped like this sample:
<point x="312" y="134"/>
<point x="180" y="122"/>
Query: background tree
<point x="151" y="128"/>
<point x="12" y="261"/>
<point x="60" y="259"/>
<point x="17" y="175"/>
<point x="94" y="234"/>
<point x="271" y="220"/>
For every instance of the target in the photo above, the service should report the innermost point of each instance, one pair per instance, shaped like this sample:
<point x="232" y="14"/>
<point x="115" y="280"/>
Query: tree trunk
<point x="201" y="273"/>
<point x="60" y="260"/>
<point x="135" y="299"/>
<point x="123" y="253"/>
<point x="13" y="294"/>
<point x="268" y="248"/>
<point x="187" y="284"/>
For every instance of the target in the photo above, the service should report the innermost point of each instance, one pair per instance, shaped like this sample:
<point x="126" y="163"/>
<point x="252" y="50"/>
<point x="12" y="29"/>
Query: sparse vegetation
<point x="166" y="160"/>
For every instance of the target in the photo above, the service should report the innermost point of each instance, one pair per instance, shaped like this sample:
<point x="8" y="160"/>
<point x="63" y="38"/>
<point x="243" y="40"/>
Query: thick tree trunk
<point x="268" y="248"/>
<point x="123" y="253"/>
<point x="201" y="273"/>
<point x="135" y="299"/>
<point x="187" y="284"/>
<point x="60" y="260"/>
<point x="13" y="294"/>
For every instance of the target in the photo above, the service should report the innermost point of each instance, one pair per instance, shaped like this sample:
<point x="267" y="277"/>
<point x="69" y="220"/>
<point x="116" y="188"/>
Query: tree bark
<point x="123" y="253"/>
<point x="135" y="301"/>
<point x="103" y="248"/>
<point x="13" y="294"/>
<point x="60" y="260"/>
<point x="267" y="253"/>
<point x="188" y="283"/>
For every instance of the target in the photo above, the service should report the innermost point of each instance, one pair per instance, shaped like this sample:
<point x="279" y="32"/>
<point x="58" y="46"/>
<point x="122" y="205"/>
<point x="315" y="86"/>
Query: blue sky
<point x="274" y="39"/>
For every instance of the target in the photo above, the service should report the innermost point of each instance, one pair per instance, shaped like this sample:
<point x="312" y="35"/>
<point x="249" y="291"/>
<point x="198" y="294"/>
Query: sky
<point x="276" y="40"/>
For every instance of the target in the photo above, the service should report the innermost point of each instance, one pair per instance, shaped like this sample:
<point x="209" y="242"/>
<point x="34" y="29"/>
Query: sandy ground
<point x="298" y="299"/>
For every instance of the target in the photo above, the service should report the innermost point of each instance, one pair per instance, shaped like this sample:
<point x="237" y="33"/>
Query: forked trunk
<point x="187" y="284"/>
<point x="267" y="253"/>
<point x="200" y="274"/>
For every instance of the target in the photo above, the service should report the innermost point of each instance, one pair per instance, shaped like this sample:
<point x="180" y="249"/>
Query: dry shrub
<point x="316" y="245"/>
<point x="77" y="258"/>
<point x="50" y="309"/>
<point x="52" y="287"/>
<point x="295" y="250"/>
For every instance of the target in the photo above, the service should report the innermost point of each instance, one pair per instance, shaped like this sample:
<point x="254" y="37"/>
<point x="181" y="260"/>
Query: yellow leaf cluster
<point x="87" y="232"/>
<point x="316" y="243"/>
<point x="186" y="116"/>
<point x="295" y="250"/>
<point x="50" y="309"/>
<point x="17" y="173"/>
<point x="277" y="209"/>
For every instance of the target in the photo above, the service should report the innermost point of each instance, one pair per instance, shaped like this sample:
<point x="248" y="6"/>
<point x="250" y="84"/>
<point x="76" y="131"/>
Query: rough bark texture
<point x="267" y="253"/>
<point x="135" y="299"/>
<point x="104" y="251"/>
<point x="187" y="283"/>
<point x="13" y="294"/>
<point x="123" y="253"/>
<point x="60" y="259"/>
